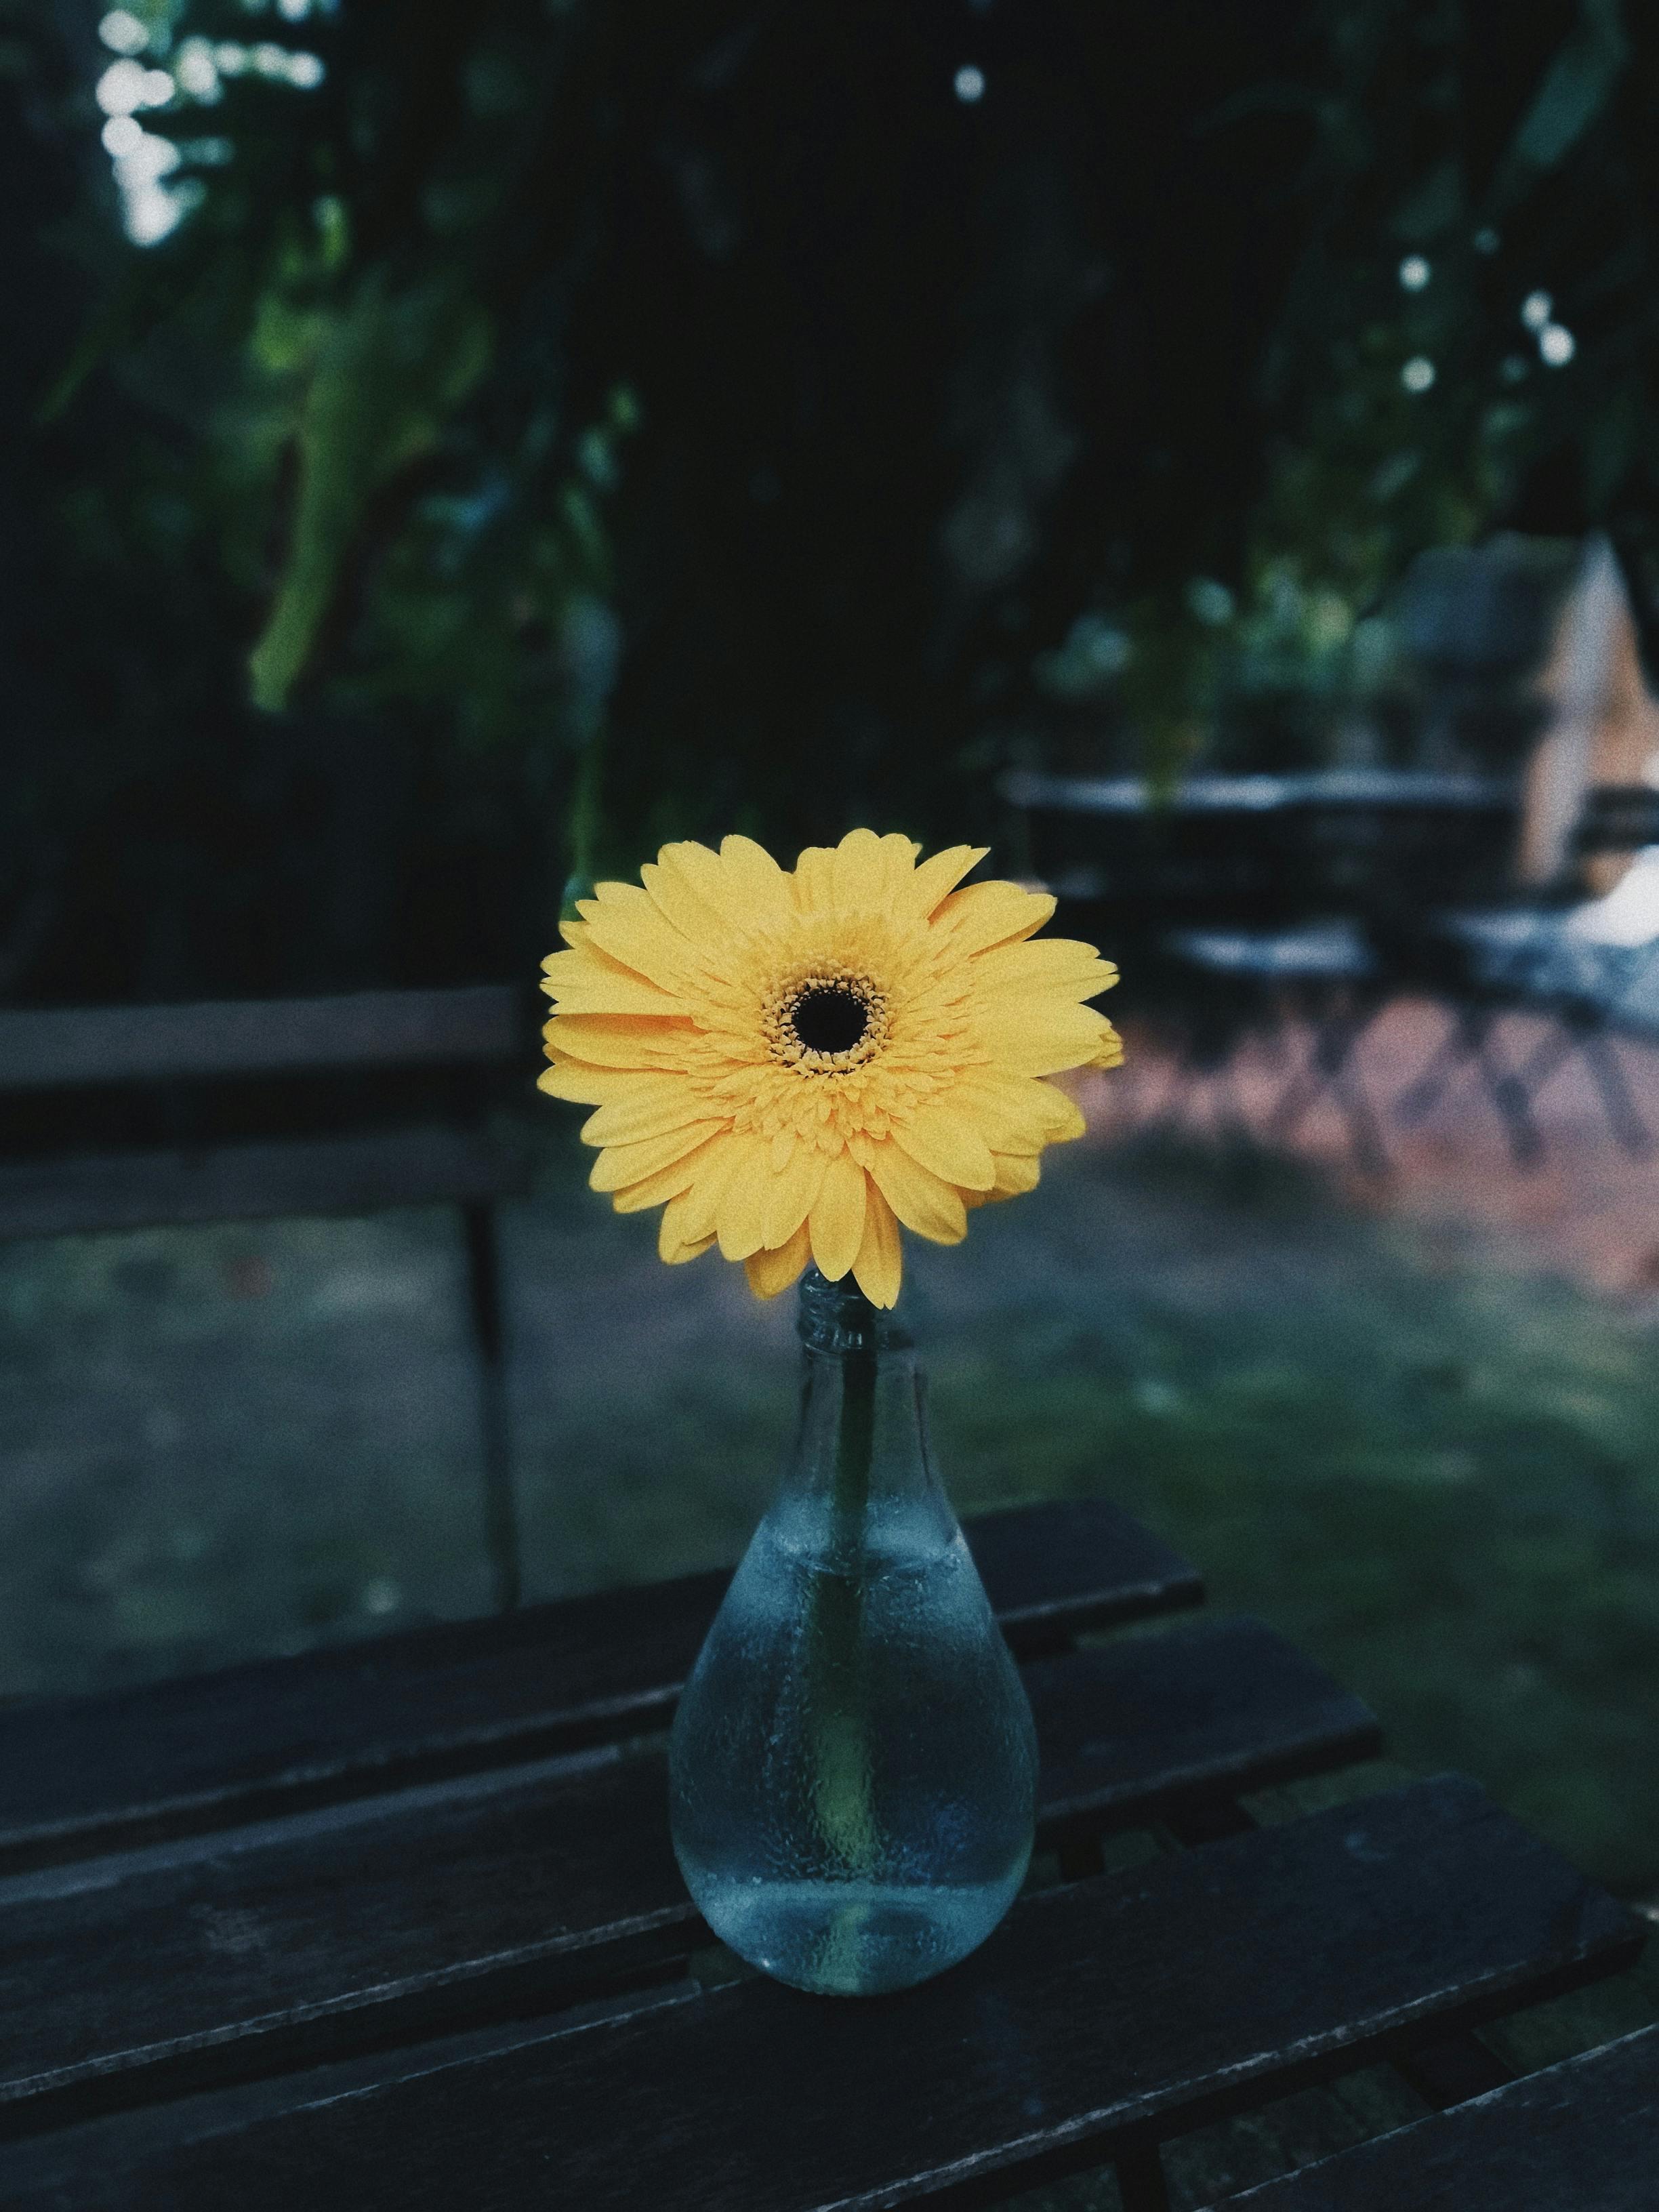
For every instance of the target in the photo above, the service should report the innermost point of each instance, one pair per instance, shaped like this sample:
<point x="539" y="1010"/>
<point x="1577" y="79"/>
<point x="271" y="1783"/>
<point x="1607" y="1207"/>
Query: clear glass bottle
<point x="852" y="1767"/>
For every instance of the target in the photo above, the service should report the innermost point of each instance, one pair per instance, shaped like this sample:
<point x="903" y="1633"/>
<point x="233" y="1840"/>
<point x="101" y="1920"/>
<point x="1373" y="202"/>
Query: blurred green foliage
<point x="546" y="427"/>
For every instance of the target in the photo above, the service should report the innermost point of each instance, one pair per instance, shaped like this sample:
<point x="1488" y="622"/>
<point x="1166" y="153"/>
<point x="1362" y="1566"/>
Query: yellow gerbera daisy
<point x="791" y="1064"/>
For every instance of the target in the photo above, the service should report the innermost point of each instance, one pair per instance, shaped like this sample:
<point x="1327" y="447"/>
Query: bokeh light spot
<point x="196" y="70"/>
<point x="123" y="32"/>
<point x="121" y="88"/>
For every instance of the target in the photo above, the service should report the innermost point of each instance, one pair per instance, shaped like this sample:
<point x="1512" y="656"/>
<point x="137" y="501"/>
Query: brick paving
<point x="1586" y="1211"/>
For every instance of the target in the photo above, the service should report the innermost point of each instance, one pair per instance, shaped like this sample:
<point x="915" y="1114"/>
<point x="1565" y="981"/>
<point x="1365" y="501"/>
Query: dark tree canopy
<point x="553" y="425"/>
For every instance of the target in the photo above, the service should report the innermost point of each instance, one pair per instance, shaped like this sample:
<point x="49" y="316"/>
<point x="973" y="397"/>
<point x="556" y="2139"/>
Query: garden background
<point x="454" y="449"/>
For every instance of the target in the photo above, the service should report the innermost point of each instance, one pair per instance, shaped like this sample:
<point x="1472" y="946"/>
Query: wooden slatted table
<point x="398" y="1925"/>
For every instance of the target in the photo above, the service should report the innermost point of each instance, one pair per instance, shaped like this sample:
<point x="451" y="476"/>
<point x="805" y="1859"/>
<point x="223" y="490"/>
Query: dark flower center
<point x="829" y="1018"/>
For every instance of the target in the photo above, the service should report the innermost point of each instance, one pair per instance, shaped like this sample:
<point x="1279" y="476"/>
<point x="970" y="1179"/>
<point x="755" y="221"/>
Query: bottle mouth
<point x="837" y="1318"/>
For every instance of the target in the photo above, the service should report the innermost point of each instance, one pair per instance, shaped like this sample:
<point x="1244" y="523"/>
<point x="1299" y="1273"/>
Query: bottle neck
<point x="837" y="1318"/>
<point x="861" y="1449"/>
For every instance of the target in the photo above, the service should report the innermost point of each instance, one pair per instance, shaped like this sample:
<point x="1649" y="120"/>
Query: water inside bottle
<point x="852" y="1767"/>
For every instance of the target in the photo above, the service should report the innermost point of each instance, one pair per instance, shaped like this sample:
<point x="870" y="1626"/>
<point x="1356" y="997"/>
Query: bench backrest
<point x="352" y="1171"/>
<point x="63" y="1048"/>
<point x="340" y="1171"/>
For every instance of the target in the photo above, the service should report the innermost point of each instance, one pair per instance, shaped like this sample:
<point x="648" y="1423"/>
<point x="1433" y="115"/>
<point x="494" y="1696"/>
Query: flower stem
<point x="855" y="1441"/>
<point x="843" y="1786"/>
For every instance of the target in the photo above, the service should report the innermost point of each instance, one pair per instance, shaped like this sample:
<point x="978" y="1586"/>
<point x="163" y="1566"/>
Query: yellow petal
<point x="880" y="1265"/>
<point x="836" y="1221"/>
<point x="657" y="1104"/>
<point x="667" y="1182"/>
<point x="1042" y="1039"/>
<point x="582" y="1085"/>
<point x="902" y="854"/>
<point x="618" y="1040"/>
<point x="984" y="915"/>
<point x="623" y="921"/>
<point x="741" y="1218"/>
<point x="814" y="878"/>
<point x="1016" y="1173"/>
<point x="950" y="1145"/>
<point x="682" y="906"/>
<point x="594" y="983"/>
<point x="726" y="1162"/>
<point x="791" y="1191"/>
<point x="892" y="863"/>
<point x="673" y="1248"/>
<point x="755" y="888"/>
<point x="1013" y="1113"/>
<point x="1068" y="1123"/>
<point x="933" y="1209"/>
<point x="858" y="868"/>
<point x="617" y="990"/>
<point x="1052" y="1118"/>
<point x="1111" y="1049"/>
<point x="698" y="870"/>
<point x="622" y="1164"/>
<point x="1048" y="964"/>
<point x="934" y="878"/>
<point x="770" y="1271"/>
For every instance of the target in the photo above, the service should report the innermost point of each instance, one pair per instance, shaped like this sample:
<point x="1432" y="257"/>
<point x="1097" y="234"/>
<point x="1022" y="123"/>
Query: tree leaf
<point x="389" y="370"/>
<point x="1575" y="89"/>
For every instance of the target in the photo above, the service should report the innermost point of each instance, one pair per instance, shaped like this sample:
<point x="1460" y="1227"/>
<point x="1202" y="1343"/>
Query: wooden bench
<point x="400" y="1926"/>
<point x="146" y="1051"/>
<point x="1582" y="2136"/>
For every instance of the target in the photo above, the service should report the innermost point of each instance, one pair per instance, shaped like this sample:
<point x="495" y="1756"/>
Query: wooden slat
<point x="254" y="1182"/>
<point x="203" y="1963"/>
<point x="1582" y="2136"/>
<point x="68" y="1047"/>
<point x="1148" y="1729"/>
<point x="1145" y="2002"/>
<point x="85" y="1775"/>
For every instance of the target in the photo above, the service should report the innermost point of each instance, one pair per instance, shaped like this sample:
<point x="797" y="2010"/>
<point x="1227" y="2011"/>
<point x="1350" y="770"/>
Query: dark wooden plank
<point x="84" y="1775"/>
<point x="474" y="1900"/>
<point x="1149" y="2000"/>
<point x="357" y="1174"/>
<point x="66" y="1047"/>
<point x="1056" y="1570"/>
<point x="1582" y="2136"/>
<point x="1144" y="1728"/>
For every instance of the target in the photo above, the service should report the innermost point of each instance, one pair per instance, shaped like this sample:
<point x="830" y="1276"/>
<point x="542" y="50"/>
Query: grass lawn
<point x="1441" y="1479"/>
